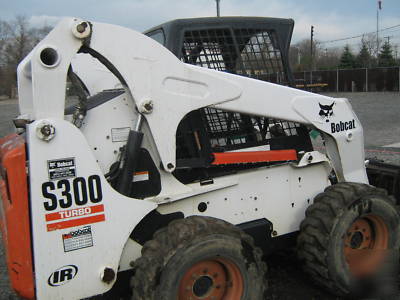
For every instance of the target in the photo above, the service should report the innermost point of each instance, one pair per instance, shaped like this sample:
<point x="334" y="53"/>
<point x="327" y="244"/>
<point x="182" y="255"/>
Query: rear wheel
<point x="347" y="235"/>
<point x="199" y="258"/>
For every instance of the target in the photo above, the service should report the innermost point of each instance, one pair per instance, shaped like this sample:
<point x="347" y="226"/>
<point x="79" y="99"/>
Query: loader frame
<point x="70" y="194"/>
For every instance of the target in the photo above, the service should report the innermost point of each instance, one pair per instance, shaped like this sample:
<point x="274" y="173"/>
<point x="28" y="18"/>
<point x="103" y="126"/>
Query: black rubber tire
<point x="320" y="242"/>
<point x="184" y="242"/>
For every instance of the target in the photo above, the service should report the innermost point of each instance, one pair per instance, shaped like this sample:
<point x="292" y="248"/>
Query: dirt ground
<point x="379" y="114"/>
<point x="287" y="281"/>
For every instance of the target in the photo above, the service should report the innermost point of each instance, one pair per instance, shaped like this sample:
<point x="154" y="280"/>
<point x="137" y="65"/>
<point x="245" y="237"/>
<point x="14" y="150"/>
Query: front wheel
<point x="348" y="235"/>
<point x="199" y="258"/>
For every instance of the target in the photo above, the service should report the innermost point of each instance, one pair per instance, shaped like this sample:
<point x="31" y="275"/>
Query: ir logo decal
<point x="326" y="111"/>
<point x="62" y="275"/>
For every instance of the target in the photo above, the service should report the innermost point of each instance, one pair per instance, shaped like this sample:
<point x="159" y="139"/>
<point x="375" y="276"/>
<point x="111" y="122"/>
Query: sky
<point x="332" y="19"/>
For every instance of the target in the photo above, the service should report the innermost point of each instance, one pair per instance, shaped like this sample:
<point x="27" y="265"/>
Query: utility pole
<point x="299" y="57"/>
<point x="388" y="39"/>
<point x="379" y="7"/>
<point x="311" y="46"/>
<point x="218" y="9"/>
<point x="377" y="31"/>
<point x="312" y="52"/>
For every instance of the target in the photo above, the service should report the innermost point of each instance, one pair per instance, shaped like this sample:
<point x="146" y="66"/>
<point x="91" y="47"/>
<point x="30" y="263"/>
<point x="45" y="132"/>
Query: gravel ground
<point x="8" y="111"/>
<point x="379" y="114"/>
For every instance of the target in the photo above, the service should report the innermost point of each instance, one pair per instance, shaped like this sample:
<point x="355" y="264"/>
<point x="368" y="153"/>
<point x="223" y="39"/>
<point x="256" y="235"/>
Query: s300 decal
<point x="79" y="192"/>
<point x="69" y="202"/>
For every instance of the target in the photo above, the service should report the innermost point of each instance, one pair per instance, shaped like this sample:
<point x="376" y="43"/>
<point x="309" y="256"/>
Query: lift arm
<point x="164" y="89"/>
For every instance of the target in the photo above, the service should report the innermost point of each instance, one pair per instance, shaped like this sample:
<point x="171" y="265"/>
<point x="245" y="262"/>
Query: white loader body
<point x="81" y="225"/>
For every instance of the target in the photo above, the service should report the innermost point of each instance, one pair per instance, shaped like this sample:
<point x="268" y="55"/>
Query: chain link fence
<point x="350" y="80"/>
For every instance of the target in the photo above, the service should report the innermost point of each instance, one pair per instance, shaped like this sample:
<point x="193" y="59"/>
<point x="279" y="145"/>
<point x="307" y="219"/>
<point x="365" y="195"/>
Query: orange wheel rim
<point x="365" y="243"/>
<point x="212" y="279"/>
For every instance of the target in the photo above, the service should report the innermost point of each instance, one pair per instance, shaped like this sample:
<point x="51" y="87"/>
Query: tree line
<point x="365" y="56"/>
<point x="17" y="39"/>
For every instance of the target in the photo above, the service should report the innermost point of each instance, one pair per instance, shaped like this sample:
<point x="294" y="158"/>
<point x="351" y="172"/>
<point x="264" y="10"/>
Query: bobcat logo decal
<point x="326" y="111"/>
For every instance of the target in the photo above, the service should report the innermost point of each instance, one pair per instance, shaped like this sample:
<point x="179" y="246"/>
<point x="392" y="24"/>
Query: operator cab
<point x="247" y="46"/>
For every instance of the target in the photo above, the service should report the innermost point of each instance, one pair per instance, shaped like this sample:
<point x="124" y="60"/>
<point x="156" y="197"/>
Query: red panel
<point x="76" y="222"/>
<point x="14" y="218"/>
<point x="253" y="157"/>
<point x="62" y="214"/>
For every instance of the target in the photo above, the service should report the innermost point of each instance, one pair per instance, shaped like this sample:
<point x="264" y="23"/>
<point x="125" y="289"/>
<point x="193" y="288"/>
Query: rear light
<point x="14" y="215"/>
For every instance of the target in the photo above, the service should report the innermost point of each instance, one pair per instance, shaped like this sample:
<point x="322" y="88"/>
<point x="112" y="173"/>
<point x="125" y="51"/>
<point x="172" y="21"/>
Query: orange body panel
<point x="14" y="217"/>
<point x="253" y="157"/>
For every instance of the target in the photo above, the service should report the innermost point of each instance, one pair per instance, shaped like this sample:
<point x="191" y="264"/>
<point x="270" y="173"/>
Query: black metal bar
<point x="218" y="9"/>
<point x="129" y="162"/>
<point x="385" y="176"/>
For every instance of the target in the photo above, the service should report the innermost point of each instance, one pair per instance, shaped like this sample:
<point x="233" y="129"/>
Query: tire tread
<point x="315" y="229"/>
<point x="178" y="234"/>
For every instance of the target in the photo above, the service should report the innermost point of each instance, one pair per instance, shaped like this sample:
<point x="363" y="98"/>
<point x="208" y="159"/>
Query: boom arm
<point x="165" y="90"/>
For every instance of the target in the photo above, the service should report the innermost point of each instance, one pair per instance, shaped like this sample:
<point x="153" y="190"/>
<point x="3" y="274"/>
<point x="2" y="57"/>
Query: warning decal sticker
<point x="120" y="134"/>
<point x="140" y="176"/>
<point x="78" y="239"/>
<point x="61" y="168"/>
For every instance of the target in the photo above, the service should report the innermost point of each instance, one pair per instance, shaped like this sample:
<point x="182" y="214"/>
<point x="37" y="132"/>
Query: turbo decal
<point x="75" y="217"/>
<point x="77" y="212"/>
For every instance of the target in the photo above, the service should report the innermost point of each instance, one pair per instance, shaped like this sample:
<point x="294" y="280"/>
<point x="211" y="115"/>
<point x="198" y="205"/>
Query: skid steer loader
<point x="167" y="178"/>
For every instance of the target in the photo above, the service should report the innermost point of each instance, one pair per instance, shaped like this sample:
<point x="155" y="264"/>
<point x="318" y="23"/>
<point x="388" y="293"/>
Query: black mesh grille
<point x="259" y="55"/>
<point x="205" y="48"/>
<point x="230" y="131"/>
<point x="248" y="52"/>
